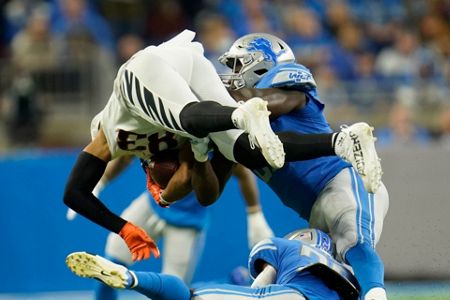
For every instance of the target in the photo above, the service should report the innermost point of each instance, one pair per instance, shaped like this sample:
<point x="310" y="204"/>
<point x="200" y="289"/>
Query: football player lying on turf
<point x="173" y="90"/>
<point x="297" y="267"/>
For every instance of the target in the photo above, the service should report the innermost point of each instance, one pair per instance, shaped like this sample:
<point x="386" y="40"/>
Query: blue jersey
<point x="186" y="212"/>
<point x="301" y="266"/>
<point x="299" y="183"/>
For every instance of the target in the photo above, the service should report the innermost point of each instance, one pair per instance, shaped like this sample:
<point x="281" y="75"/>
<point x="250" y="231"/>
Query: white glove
<point x="71" y="214"/>
<point x="200" y="148"/>
<point x="257" y="228"/>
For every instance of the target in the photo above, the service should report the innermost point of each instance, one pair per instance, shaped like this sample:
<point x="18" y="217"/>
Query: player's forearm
<point x="266" y="277"/>
<point x="205" y="183"/>
<point x="85" y="174"/>
<point x="280" y="101"/>
<point x="222" y="169"/>
<point x="179" y="185"/>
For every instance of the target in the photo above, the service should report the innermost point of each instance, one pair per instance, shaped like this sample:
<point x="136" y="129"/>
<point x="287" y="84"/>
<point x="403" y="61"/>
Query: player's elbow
<point x="68" y="197"/>
<point x="72" y="195"/>
<point x="207" y="198"/>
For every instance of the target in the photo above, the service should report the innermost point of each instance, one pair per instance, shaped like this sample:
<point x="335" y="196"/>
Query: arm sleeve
<point x="85" y="174"/>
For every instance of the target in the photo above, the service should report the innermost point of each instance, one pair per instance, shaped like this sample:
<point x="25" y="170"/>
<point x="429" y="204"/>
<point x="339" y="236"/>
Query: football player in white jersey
<point x="168" y="92"/>
<point x="161" y="95"/>
<point x="298" y="267"/>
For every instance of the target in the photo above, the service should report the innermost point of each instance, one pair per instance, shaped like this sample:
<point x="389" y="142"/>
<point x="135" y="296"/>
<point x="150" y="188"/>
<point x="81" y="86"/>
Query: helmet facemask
<point x="247" y="69"/>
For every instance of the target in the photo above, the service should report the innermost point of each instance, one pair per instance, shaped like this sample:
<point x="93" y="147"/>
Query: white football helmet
<point x="251" y="56"/>
<point x="314" y="237"/>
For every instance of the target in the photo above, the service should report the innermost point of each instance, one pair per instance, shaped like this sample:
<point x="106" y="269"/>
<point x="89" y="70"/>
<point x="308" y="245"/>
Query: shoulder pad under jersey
<point x="290" y="75"/>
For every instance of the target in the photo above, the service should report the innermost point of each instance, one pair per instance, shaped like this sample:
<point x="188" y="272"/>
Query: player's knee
<point x="344" y="242"/>
<point x="192" y="117"/>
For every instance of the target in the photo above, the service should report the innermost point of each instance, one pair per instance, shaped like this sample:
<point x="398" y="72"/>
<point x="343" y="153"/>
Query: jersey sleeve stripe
<point x="139" y="96"/>
<point x="162" y="110"/>
<point x="129" y="85"/>
<point x="150" y="101"/>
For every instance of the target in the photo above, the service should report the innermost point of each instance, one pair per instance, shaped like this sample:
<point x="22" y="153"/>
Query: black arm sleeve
<point x="86" y="173"/>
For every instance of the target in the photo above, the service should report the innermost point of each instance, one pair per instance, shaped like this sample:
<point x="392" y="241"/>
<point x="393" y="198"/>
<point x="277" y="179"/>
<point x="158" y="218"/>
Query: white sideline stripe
<point x="234" y="292"/>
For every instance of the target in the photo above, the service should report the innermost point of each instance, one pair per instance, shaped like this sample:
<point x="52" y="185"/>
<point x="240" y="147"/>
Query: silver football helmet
<point x="314" y="237"/>
<point x="251" y="56"/>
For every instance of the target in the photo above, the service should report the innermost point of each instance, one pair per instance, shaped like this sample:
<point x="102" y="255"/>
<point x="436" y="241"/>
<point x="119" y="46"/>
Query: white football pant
<point x="182" y="246"/>
<point x="349" y="213"/>
<point x="158" y="82"/>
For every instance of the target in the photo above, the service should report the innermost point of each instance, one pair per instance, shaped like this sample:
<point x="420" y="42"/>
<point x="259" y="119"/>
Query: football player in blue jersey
<point x="298" y="267"/>
<point x="326" y="191"/>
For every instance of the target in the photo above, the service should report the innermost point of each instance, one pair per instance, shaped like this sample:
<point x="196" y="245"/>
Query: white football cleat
<point x="89" y="265"/>
<point x="356" y="144"/>
<point x="253" y="117"/>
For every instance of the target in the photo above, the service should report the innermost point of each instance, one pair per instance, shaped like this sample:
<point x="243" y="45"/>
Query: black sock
<point x="246" y="156"/>
<point x="201" y="118"/>
<point x="306" y="146"/>
<point x="297" y="147"/>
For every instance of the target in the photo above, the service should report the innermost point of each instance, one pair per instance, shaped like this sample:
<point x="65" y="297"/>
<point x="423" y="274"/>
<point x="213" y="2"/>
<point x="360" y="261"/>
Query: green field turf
<point x="396" y="291"/>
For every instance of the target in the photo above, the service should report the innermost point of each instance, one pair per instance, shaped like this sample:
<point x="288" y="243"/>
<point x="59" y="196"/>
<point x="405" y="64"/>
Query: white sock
<point x="134" y="280"/>
<point x="376" y="294"/>
<point x="237" y="117"/>
<point x="334" y="138"/>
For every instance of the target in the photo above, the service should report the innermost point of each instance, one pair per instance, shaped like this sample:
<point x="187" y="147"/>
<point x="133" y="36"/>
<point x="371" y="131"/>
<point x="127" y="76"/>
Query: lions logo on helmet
<point x="315" y="237"/>
<point x="252" y="56"/>
<point x="265" y="46"/>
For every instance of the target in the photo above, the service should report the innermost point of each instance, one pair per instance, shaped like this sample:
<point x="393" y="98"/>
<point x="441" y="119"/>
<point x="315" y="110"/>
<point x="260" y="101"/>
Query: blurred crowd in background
<point x="383" y="61"/>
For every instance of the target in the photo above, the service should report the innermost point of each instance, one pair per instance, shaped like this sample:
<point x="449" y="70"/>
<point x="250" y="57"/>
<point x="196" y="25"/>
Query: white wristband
<point x="162" y="201"/>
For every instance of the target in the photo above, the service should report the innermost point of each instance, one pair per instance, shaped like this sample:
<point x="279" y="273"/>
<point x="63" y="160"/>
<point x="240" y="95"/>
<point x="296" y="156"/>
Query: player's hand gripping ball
<point x="163" y="166"/>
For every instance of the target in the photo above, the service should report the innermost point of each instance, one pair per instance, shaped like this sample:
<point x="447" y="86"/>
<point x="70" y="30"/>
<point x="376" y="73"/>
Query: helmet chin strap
<point x="238" y="84"/>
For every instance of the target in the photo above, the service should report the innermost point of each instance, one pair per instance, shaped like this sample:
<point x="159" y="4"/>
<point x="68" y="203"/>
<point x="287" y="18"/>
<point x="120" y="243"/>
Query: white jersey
<point x="127" y="134"/>
<point x="142" y="115"/>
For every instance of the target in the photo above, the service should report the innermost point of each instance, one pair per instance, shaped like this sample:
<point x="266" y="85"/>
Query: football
<point x="162" y="167"/>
